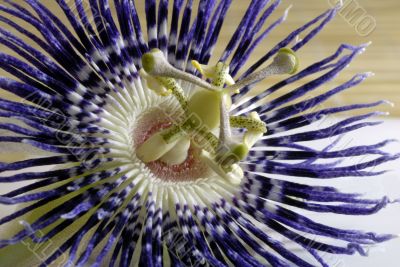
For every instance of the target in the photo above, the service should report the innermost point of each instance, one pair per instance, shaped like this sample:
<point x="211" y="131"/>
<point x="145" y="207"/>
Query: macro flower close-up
<point x="154" y="133"/>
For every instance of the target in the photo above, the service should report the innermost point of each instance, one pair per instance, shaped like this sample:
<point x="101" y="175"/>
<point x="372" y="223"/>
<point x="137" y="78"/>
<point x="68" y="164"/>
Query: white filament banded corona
<point x="94" y="189"/>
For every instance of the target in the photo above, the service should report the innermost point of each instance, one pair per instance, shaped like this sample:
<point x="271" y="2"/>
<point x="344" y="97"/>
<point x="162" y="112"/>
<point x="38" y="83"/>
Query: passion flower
<point x="156" y="156"/>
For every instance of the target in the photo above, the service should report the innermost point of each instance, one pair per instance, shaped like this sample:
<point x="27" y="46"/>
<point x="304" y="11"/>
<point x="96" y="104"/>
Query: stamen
<point x="234" y="177"/>
<point x="173" y="133"/>
<point x="248" y="123"/>
<point x="155" y="147"/>
<point x="252" y="136"/>
<point x="178" y="153"/>
<point x="211" y="72"/>
<point x="233" y="152"/>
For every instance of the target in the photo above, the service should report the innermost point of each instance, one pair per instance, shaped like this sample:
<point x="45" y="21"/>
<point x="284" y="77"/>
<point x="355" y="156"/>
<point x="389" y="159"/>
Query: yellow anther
<point x="252" y="136"/>
<point x="198" y="66"/>
<point x="211" y="72"/>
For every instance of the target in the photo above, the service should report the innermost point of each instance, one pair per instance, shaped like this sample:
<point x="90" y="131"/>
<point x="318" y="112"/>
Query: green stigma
<point x="290" y="54"/>
<point x="148" y="62"/>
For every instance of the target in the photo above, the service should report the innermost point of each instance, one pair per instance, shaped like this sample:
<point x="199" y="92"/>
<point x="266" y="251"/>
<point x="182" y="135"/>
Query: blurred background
<point x="358" y="22"/>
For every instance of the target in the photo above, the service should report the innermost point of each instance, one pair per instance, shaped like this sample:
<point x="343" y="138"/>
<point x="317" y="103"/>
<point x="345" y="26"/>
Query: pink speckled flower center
<point x="189" y="170"/>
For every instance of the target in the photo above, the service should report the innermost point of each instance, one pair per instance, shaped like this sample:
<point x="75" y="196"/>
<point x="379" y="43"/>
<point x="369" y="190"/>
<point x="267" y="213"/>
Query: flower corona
<point x="154" y="150"/>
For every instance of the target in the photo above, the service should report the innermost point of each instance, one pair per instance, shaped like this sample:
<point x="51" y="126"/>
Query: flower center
<point x="191" y="169"/>
<point x="205" y="112"/>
